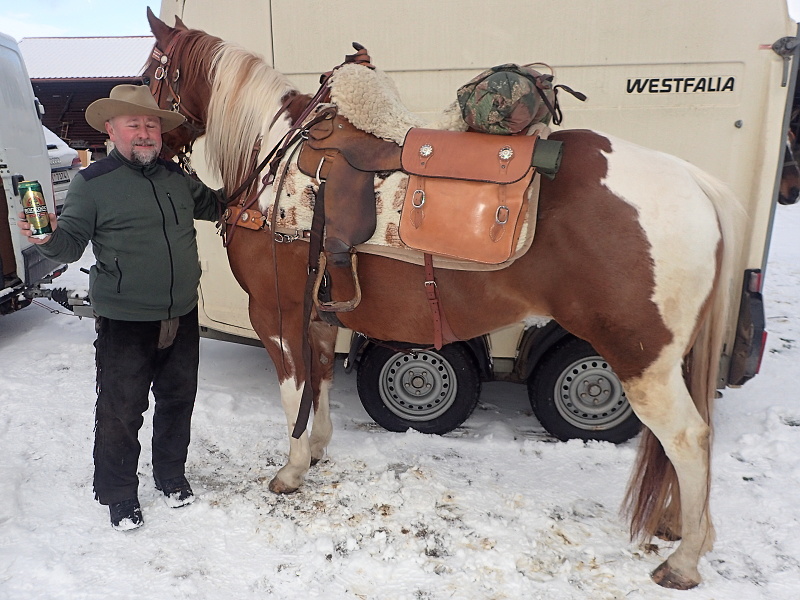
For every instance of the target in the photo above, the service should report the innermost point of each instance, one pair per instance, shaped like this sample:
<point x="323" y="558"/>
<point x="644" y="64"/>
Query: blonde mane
<point x="246" y="94"/>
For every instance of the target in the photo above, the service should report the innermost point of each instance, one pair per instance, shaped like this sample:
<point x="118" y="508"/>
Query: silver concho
<point x="426" y="150"/>
<point x="506" y="153"/>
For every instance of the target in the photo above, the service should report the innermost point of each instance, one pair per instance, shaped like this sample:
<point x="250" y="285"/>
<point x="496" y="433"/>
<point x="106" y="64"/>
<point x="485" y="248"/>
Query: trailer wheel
<point x="432" y="391"/>
<point x="575" y="394"/>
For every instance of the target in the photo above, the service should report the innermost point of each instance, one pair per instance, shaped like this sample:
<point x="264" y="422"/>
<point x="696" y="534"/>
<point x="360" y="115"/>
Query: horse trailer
<point x="711" y="83"/>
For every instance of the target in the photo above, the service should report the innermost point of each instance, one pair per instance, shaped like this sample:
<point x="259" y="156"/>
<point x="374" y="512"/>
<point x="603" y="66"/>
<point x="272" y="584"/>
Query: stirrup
<point x="334" y="306"/>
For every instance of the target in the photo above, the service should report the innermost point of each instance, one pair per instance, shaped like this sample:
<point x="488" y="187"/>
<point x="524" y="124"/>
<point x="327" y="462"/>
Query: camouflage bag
<point x="509" y="98"/>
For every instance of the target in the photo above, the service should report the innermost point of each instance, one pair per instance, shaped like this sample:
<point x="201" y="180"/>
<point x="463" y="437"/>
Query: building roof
<point x="85" y="57"/>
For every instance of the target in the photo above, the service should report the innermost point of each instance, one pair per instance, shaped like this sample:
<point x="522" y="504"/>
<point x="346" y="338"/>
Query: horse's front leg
<point x="291" y="475"/>
<point x="286" y="353"/>
<point x="284" y="348"/>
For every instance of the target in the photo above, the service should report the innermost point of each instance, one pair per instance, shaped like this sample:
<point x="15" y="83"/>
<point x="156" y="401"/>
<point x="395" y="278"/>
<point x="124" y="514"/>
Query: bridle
<point x="166" y="93"/>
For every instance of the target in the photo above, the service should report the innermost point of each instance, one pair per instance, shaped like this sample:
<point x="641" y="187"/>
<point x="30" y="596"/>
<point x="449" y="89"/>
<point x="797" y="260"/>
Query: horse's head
<point x="177" y="74"/>
<point x="228" y="94"/>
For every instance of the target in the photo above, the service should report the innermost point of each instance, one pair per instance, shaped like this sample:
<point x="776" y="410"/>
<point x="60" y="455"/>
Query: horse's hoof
<point x="276" y="486"/>
<point x="667" y="577"/>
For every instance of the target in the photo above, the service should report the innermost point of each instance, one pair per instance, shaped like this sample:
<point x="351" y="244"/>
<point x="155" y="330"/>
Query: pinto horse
<point x="789" y="189"/>
<point x="633" y="253"/>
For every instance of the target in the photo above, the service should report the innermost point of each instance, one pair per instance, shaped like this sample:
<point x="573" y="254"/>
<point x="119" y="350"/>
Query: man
<point x="138" y="211"/>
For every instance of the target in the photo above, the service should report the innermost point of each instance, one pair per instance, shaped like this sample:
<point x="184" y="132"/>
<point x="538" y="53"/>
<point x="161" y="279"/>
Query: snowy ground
<point x="493" y="511"/>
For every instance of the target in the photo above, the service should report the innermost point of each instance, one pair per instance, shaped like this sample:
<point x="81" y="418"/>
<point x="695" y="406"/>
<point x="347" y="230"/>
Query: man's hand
<point x="25" y="227"/>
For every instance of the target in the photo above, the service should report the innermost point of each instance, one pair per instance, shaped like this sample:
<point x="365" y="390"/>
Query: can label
<point x="35" y="208"/>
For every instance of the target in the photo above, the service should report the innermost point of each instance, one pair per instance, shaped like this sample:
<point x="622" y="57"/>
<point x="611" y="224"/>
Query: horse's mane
<point x="246" y="93"/>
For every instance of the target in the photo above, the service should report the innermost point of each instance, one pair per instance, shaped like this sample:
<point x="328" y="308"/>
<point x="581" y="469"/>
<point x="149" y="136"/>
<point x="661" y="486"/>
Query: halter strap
<point x="162" y="75"/>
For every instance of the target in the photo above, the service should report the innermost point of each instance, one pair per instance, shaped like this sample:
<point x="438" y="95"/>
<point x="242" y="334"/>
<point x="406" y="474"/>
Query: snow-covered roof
<point x="85" y="57"/>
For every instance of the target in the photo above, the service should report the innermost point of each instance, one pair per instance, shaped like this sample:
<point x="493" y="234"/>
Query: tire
<point x="575" y="394"/>
<point x="427" y="390"/>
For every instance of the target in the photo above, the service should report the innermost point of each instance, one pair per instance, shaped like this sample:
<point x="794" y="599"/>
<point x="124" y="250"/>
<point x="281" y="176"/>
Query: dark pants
<point x="128" y="363"/>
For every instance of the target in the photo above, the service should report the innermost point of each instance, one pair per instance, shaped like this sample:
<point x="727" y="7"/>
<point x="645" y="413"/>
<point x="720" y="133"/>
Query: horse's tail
<point x="652" y="499"/>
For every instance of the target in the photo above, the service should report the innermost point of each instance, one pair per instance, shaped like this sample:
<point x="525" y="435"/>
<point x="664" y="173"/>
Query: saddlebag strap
<point x="442" y="334"/>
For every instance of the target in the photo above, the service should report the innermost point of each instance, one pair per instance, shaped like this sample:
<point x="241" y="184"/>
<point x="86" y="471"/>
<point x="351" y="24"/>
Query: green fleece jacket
<point x="140" y="221"/>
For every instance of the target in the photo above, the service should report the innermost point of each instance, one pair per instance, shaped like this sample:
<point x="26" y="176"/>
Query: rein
<point x="297" y="131"/>
<point x="183" y="153"/>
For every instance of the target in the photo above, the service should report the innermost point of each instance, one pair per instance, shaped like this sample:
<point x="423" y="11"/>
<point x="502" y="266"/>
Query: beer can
<point x="35" y="208"/>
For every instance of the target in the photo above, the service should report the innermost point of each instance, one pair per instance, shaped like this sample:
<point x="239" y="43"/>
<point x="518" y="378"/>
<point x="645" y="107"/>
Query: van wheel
<point x="432" y="391"/>
<point x="575" y="394"/>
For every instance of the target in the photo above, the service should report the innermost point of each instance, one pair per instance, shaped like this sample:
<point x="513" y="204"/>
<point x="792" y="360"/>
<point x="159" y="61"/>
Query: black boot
<point x="126" y="515"/>
<point x="177" y="491"/>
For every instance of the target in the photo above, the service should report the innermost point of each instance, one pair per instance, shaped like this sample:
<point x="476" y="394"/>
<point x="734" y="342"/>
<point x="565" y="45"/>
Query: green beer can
<point x="35" y="208"/>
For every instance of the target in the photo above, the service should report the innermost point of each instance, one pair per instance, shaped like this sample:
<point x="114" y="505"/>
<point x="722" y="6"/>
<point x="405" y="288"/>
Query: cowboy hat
<point x="132" y="100"/>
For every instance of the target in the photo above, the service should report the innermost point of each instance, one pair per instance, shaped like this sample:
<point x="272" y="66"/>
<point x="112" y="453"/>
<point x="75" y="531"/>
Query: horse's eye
<point x="145" y="80"/>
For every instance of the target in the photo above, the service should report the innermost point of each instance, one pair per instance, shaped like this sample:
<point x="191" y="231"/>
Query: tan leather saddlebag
<point x="467" y="193"/>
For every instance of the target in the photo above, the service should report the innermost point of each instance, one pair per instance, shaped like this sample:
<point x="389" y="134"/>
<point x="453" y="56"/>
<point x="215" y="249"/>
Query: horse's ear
<point x="157" y="26"/>
<point x="179" y="24"/>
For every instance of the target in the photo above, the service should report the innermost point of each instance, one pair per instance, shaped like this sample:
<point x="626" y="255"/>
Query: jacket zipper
<point x="119" y="272"/>
<point x="166" y="239"/>
<point x="174" y="210"/>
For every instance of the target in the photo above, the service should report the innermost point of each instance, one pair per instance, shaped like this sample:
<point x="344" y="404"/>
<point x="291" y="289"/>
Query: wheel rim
<point x="419" y="386"/>
<point x="589" y="395"/>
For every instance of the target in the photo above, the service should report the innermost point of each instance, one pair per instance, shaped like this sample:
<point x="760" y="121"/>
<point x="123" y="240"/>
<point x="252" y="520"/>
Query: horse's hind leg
<point x="661" y="400"/>
<point x="323" y="340"/>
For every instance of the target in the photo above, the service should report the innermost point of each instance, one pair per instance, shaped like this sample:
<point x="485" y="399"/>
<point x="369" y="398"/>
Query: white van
<point x="710" y="82"/>
<point x="64" y="165"/>
<point x="23" y="156"/>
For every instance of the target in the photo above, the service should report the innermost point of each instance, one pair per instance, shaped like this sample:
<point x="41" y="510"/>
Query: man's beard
<point x="144" y="154"/>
